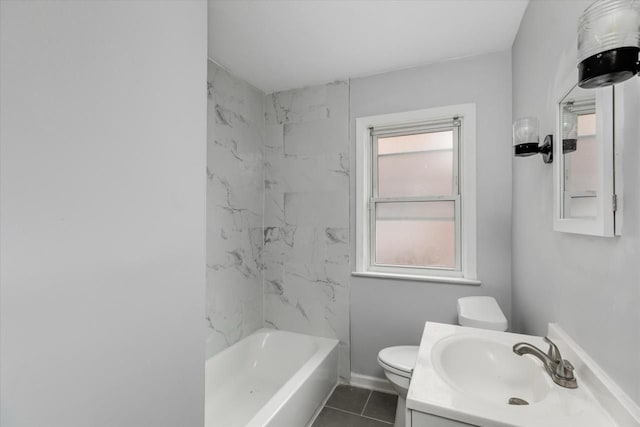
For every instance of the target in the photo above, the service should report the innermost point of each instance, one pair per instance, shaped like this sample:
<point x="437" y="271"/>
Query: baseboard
<point x="372" y="383"/>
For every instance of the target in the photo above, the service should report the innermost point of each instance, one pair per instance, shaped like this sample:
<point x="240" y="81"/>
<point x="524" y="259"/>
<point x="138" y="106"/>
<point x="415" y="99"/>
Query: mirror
<point x="584" y="171"/>
<point x="579" y="153"/>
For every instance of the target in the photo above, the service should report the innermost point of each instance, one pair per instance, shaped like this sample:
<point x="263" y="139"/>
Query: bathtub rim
<point x="325" y="347"/>
<point x="294" y="383"/>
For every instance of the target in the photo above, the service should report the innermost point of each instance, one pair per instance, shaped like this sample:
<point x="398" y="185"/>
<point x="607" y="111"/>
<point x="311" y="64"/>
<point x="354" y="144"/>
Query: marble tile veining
<point x="235" y="187"/>
<point x="306" y="213"/>
<point x="277" y="211"/>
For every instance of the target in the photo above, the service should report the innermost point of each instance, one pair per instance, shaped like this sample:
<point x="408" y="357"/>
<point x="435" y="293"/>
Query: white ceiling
<point x="277" y="45"/>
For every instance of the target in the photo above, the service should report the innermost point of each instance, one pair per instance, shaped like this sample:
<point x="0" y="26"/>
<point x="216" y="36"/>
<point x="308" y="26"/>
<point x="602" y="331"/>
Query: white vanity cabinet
<point x="420" y="419"/>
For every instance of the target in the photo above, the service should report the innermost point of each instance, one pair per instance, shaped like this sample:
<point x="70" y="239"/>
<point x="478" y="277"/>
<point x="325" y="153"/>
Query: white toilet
<point x="398" y="362"/>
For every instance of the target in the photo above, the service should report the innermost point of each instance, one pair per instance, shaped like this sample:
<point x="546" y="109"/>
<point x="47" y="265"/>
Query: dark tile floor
<point x="351" y="406"/>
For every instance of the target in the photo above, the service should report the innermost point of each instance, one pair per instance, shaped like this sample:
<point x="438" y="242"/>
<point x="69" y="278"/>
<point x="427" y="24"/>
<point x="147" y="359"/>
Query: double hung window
<point x="413" y="191"/>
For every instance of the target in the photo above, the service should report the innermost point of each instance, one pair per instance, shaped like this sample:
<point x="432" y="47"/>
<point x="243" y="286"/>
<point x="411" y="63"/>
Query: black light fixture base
<point x="525" y="150"/>
<point x="609" y="67"/>
<point x="531" y="148"/>
<point x="546" y="149"/>
<point x="569" y="145"/>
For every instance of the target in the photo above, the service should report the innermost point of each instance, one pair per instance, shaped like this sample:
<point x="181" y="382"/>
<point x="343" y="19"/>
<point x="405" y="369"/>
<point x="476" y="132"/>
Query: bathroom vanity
<point x="471" y="377"/>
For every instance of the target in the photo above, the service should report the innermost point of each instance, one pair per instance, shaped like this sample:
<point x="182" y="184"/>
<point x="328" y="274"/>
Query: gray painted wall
<point x="589" y="285"/>
<point x="102" y="249"/>
<point x="393" y="312"/>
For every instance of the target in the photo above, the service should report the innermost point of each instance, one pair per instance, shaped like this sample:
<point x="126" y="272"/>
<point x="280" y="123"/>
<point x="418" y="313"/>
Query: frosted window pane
<point x="419" y="174"/>
<point x="419" y="234"/>
<point x="416" y="165"/>
<point x="586" y="124"/>
<point x="417" y="142"/>
<point x="581" y="172"/>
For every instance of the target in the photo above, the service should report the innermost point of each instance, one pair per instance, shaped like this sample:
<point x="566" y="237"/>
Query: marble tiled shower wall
<point x="306" y="213"/>
<point x="234" y="209"/>
<point x="277" y="211"/>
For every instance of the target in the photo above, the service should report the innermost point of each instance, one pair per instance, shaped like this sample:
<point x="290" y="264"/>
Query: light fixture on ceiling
<point x="526" y="140"/>
<point x="608" y="43"/>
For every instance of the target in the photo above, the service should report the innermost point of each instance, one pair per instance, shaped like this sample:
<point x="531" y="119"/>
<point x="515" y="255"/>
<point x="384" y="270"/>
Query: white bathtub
<point x="270" y="379"/>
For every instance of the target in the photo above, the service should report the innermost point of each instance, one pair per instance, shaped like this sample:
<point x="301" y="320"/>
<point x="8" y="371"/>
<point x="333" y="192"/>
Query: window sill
<point x="432" y="279"/>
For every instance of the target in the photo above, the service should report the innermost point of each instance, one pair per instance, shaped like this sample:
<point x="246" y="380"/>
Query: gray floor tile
<point x="349" y="398"/>
<point x="334" y="418"/>
<point x="381" y="406"/>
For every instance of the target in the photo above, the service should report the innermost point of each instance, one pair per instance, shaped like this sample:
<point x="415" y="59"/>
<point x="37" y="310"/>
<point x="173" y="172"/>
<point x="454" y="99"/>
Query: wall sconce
<point x="569" y="129"/>
<point x="526" y="140"/>
<point x="608" y="43"/>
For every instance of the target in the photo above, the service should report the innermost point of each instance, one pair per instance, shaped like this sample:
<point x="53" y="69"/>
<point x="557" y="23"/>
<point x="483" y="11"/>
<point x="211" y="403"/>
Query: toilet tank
<point x="481" y="312"/>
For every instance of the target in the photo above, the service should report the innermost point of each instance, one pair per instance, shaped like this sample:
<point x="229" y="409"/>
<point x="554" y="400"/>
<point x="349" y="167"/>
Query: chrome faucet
<point x="559" y="369"/>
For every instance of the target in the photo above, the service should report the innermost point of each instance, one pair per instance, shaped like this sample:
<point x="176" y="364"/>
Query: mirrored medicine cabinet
<point x="584" y="159"/>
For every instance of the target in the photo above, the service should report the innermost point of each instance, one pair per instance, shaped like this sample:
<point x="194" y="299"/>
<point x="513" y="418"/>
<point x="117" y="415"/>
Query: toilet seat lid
<point x="402" y="357"/>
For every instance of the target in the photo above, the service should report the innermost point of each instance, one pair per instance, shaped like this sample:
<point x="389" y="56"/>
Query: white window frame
<point x="466" y="244"/>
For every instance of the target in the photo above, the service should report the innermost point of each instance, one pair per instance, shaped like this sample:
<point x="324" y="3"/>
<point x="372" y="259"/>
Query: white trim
<point x="371" y="383"/>
<point x="626" y="110"/>
<point x="418" y="278"/>
<point x="613" y="399"/>
<point x="467" y="158"/>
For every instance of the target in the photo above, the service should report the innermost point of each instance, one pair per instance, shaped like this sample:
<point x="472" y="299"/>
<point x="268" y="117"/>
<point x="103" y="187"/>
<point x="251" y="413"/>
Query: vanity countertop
<point x="433" y="393"/>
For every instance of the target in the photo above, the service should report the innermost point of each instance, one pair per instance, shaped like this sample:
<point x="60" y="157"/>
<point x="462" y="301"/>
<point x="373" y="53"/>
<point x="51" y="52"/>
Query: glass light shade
<point x="525" y="131"/>
<point x="608" y="24"/>
<point x="569" y="125"/>
<point x="608" y="42"/>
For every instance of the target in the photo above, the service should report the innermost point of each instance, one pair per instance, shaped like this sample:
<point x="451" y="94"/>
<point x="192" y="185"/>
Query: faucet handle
<point x="553" y="352"/>
<point x="565" y="369"/>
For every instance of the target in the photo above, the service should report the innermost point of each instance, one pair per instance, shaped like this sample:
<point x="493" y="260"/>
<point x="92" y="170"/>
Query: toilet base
<point x="400" y="412"/>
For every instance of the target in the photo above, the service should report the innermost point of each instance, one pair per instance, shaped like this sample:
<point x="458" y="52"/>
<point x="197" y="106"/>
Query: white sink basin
<point x="489" y="370"/>
<point x="468" y="375"/>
